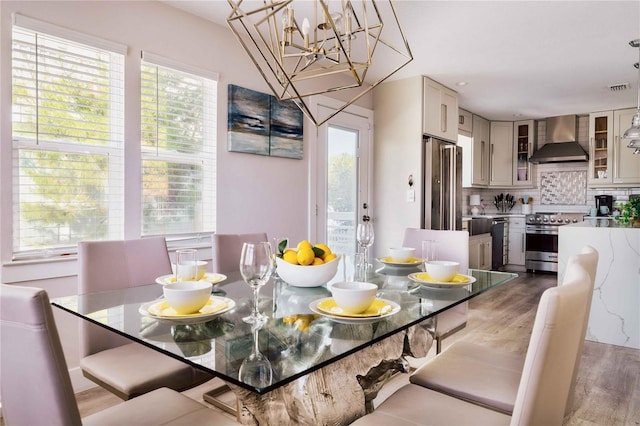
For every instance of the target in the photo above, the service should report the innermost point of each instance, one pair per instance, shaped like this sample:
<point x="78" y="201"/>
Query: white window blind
<point x="178" y="141"/>
<point x="68" y="134"/>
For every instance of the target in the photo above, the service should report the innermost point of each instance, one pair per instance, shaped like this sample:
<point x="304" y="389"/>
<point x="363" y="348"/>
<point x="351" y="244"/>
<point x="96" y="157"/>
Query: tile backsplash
<point x="559" y="187"/>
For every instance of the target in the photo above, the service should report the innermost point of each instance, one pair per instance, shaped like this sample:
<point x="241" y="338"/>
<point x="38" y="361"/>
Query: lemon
<point x="290" y="256"/>
<point x="317" y="261"/>
<point x="306" y="255"/>
<point x="328" y="258"/>
<point x="325" y="249"/>
<point x="304" y="244"/>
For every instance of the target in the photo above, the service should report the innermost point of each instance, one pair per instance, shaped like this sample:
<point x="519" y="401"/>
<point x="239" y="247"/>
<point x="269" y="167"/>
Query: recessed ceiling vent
<point x="619" y="87"/>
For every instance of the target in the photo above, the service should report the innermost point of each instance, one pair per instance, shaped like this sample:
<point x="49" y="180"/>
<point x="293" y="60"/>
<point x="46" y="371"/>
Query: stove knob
<point x="552" y="220"/>
<point x="545" y="219"/>
<point x="568" y="220"/>
<point x="575" y="220"/>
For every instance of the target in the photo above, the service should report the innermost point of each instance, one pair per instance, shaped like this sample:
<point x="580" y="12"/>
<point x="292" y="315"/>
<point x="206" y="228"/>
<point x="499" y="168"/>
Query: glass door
<point x="342" y="181"/>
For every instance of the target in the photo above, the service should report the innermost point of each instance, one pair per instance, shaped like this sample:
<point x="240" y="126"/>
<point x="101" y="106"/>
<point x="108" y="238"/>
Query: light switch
<point x="411" y="195"/>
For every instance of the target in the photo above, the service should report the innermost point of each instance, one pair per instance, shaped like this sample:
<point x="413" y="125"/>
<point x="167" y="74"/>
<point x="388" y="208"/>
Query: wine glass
<point x="256" y="370"/>
<point x="256" y="266"/>
<point x="364" y="235"/>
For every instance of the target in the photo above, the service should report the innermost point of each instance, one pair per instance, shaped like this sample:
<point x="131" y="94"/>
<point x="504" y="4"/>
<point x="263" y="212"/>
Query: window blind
<point x="178" y="141"/>
<point x="68" y="133"/>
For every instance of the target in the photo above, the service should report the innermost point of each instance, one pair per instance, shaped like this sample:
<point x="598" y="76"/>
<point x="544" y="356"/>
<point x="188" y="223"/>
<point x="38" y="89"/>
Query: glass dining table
<point x="324" y="369"/>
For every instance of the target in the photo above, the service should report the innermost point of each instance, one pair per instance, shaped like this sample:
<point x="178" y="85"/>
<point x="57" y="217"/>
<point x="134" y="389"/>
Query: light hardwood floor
<point x="608" y="388"/>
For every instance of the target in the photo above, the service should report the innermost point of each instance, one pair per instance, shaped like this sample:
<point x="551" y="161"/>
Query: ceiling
<point x="520" y="59"/>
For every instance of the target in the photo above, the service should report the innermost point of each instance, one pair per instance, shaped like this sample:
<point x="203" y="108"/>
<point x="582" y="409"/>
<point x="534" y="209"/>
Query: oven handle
<point x="536" y="230"/>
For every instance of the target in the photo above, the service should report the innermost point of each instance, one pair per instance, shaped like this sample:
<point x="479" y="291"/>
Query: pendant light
<point x="633" y="132"/>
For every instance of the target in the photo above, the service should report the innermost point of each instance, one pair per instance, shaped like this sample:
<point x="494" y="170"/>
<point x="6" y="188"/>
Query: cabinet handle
<point x="443" y="118"/>
<point x="491" y="157"/>
<point x="482" y="154"/>
<point x="523" y="240"/>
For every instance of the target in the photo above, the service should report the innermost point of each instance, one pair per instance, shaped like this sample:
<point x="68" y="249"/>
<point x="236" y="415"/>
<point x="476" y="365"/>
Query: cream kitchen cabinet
<point x="524" y="136"/>
<point x="480" y="251"/>
<point x="465" y="121"/>
<point x="611" y="163"/>
<point x="516" y="241"/>
<point x="501" y="154"/>
<point x="626" y="165"/>
<point x="600" y="148"/>
<point x="440" y="111"/>
<point x="475" y="154"/>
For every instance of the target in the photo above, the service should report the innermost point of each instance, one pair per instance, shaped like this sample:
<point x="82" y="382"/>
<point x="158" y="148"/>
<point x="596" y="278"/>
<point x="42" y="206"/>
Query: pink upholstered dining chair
<point x="545" y="381"/>
<point x="490" y="376"/>
<point x="451" y="246"/>
<point x="36" y="387"/>
<point x="110" y="360"/>
<point x="227" y="249"/>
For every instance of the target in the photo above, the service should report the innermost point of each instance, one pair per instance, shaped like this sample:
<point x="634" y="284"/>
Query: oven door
<point x="541" y="249"/>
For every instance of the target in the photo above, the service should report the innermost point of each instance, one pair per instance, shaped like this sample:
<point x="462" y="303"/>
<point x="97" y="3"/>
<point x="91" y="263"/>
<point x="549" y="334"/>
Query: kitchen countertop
<point x="601" y="222"/>
<point x="493" y="215"/>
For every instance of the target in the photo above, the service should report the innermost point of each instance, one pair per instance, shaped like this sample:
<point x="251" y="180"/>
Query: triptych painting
<point x="261" y="124"/>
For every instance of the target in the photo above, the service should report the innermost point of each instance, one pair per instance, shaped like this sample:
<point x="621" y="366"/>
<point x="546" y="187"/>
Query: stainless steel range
<point x="542" y="239"/>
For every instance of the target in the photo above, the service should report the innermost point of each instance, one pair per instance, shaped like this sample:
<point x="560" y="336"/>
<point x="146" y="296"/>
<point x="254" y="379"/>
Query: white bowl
<point x="187" y="297"/>
<point x="401" y="254"/>
<point x="354" y="297"/>
<point x="306" y="276"/>
<point x="200" y="267"/>
<point x="442" y="270"/>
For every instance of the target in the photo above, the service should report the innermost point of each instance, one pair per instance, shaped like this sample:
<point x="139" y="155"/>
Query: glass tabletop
<point x="296" y="339"/>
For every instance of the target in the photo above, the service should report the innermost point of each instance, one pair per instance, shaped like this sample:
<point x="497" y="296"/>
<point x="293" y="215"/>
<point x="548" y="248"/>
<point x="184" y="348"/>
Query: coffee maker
<point x="604" y="201"/>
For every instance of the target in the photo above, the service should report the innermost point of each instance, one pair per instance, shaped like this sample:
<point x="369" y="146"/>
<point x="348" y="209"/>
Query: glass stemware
<point x="256" y="266"/>
<point x="365" y="236"/>
<point x="256" y="370"/>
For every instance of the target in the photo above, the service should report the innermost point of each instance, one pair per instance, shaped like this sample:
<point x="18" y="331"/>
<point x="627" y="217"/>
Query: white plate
<point x="202" y="316"/>
<point x="213" y="278"/>
<point x="441" y="284"/>
<point x="390" y="262"/>
<point x="395" y="308"/>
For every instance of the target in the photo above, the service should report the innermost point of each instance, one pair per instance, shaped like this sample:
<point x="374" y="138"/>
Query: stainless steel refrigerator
<point x="442" y="196"/>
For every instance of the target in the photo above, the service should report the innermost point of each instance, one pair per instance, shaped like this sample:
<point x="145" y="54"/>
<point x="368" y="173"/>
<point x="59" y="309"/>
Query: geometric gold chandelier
<point x="304" y="48"/>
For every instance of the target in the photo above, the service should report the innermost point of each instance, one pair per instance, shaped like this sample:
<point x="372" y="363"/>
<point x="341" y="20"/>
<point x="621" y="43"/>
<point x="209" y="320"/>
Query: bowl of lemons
<point x="307" y="265"/>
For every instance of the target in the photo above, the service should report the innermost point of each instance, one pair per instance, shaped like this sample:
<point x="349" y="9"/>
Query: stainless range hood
<point x="561" y="145"/>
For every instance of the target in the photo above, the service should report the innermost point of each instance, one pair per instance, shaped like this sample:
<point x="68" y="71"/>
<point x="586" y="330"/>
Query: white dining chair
<point x="490" y="376"/>
<point x="227" y="249"/>
<point x="545" y="381"/>
<point x="36" y="387"/>
<point x="108" y="359"/>
<point x="451" y="246"/>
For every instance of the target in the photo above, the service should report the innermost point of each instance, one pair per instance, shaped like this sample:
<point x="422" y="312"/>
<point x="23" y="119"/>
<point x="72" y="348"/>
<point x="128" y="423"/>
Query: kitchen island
<point x="615" y="313"/>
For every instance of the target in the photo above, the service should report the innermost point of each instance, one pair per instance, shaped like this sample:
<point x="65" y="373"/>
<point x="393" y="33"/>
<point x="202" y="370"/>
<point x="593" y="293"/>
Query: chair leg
<point x="210" y="397"/>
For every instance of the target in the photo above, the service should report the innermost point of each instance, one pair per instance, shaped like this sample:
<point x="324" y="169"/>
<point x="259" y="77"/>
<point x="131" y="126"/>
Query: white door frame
<point x="314" y="152"/>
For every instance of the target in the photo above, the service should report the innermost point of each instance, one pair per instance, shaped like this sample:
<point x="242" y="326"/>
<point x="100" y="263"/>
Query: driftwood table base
<point x="339" y="393"/>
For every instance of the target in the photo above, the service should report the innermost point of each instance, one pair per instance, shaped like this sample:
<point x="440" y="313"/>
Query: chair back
<point x="588" y="259"/>
<point x="452" y="245"/>
<point x="109" y="265"/>
<point x="35" y="387"/>
<point x="553" y="348"/>
<point x="227" y="249"/>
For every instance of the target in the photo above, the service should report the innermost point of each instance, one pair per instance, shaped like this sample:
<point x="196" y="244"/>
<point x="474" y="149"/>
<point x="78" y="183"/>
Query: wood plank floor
<point x="608" y="388"/>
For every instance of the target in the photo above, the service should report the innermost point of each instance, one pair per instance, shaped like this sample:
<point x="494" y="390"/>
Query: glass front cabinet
<point x="523" y="138"/>
<point x="600" y="148"/>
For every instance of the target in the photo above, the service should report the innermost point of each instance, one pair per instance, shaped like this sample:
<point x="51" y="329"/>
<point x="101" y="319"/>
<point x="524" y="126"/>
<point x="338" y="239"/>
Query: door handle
<point x="443" y="118"/>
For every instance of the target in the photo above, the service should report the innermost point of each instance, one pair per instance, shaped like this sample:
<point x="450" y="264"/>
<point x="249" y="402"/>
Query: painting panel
<point x="248" y="121"/>
<point x="286" y="130"/>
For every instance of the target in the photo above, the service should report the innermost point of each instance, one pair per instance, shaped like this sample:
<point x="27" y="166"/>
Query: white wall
<point x="254" y="193"/>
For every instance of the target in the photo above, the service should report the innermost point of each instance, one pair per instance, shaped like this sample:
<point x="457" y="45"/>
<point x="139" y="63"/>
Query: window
<point x="68" y="133"/>
<point x="178" y="109"/>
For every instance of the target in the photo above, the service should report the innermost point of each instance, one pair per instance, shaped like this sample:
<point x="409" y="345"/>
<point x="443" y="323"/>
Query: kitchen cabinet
<point x="501" y="154"/>
<point x="516" y="241"/>
<point x="524" y="136"/>
<point x="475" y="154"/>
<point x="480" y="251"/>
<point x="600" y="148"/>
<point x="440" y="111"/>
<point x="626" y="165"/>
<point x="465" y="121"/>
<point x="611" y="163"/>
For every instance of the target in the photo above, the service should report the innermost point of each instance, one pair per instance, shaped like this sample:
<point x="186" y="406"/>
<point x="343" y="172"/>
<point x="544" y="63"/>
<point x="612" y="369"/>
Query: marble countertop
<point x="492" y="215"/>
<point x="603" y="222"/>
